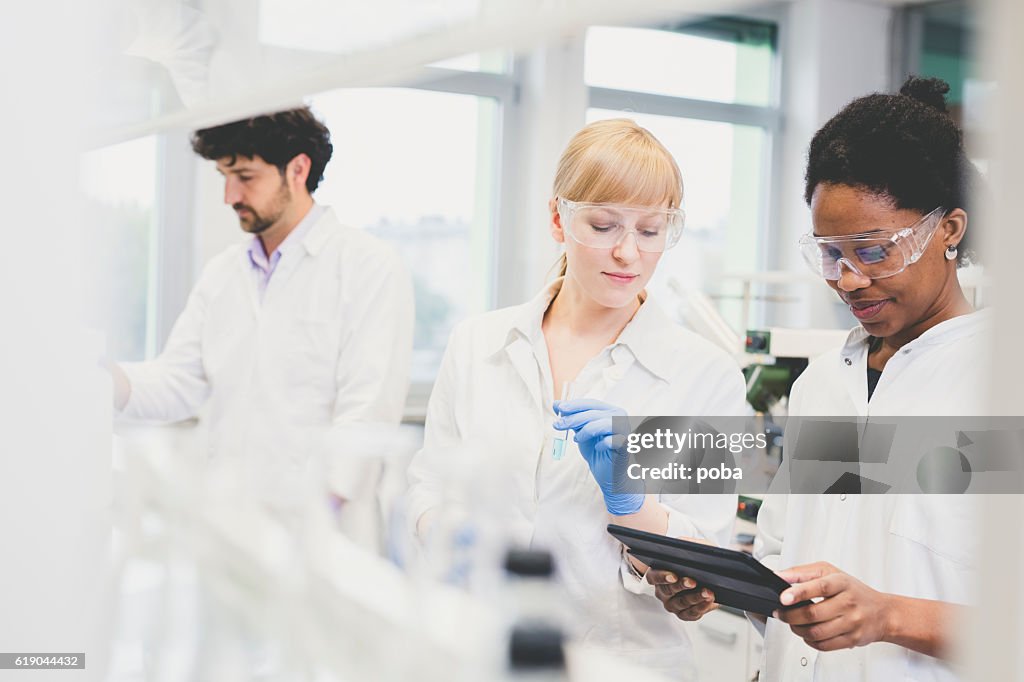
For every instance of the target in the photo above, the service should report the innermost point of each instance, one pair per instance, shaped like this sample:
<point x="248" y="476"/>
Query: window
<point x="419" y="169"/>
<point x="720" y="60"/>
<point x="939" y="39"/>
<point x="119" y="187"/>
<point x="718" y="120"/>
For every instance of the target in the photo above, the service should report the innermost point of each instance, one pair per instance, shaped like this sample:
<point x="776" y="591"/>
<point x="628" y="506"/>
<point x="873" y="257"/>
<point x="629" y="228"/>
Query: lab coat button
<point x="803" y="661"/>
<point x="848" y="361"/>
<point x="842" y="497"/>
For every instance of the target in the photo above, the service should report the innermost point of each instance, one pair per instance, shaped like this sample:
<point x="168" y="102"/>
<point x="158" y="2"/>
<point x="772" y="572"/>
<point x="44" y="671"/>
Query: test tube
<point x="561" y="437"/>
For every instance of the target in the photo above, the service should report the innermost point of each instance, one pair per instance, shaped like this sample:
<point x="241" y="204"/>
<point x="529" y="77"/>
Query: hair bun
<point x="931" y="91"/>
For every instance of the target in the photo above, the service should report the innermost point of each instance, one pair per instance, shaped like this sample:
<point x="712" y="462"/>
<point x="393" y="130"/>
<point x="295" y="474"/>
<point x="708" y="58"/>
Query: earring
<point x="951" y="252"/>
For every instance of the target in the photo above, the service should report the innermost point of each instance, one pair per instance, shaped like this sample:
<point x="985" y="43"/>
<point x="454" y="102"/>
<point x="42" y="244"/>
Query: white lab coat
<point x="921" y="546"/>
<point x="493" y="398"/>
<point x="329" y="344"/>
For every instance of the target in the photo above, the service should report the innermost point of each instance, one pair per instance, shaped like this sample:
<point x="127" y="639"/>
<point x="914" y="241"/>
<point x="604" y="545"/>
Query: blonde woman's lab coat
<point x="489" y="429"/>
<point x="327" y="345"/>
<point x="922" y="546"/>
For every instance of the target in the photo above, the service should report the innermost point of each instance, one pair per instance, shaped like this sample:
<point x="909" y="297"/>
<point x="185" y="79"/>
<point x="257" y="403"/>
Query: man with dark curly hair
<point x="305" y="327"/>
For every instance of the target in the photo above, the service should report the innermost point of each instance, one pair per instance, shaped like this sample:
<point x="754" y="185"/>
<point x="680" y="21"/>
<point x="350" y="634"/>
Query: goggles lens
<point x="604" y="226"/>
<point x="875" y="255"/>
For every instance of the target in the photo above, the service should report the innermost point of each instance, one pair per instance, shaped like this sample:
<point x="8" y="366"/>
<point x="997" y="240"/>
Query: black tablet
<point x="737" y="579"/>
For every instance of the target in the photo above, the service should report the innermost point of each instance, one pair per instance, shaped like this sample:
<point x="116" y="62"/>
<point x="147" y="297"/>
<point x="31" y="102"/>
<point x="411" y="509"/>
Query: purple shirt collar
<point x="263" y="266"/>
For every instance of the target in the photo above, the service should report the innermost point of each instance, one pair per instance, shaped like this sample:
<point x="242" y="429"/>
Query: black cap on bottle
<point x="536" y="646"/>
<point x="530" y="562"/>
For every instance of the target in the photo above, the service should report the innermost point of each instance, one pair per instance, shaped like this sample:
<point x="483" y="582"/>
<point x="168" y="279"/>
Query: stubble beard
<point x="256" y="223"/>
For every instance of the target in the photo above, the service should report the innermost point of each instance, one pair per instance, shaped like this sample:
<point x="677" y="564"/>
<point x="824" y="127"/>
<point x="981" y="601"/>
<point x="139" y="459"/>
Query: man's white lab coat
<point x="328" y="345"/>
<point x="921" y="546"/>
<point x="488" y="438"/>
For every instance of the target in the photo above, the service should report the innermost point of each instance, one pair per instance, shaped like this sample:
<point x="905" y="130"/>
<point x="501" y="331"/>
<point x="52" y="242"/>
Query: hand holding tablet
<point x="732" y="578"/>
<point x="681" y="595"/>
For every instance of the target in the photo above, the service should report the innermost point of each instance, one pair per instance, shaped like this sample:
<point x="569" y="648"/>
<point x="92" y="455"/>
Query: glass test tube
<point x="562" y="437"/>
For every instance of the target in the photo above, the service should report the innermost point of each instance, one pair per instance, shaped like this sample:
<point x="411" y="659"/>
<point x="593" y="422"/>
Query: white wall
<point x="216" y="225"/>
<point x="833" y="51"/>
<point x="552" y="107"/>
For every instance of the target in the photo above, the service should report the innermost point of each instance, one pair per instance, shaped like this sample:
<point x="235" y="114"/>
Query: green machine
<point x="777" y="356"/>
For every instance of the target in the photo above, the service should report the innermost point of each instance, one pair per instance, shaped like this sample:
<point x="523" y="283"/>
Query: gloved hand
<point x="594" y="427"/>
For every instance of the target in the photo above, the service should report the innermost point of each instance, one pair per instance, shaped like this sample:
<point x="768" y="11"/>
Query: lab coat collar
<point x="322" y="225"/>
<point x="299" y="236"/>
<point x="962" y="326"/>
<point x="526" y="324"/>
<point x="643" y="337"/>
<point x="524" y="332"/>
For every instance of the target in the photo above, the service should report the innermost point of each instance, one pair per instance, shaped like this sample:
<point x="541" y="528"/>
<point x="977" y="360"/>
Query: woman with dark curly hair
<point x="888" y="185"/>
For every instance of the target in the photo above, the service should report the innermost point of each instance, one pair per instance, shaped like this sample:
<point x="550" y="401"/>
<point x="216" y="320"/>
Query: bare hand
<point x="684" y="598"/>
<point x="849" y="613"/>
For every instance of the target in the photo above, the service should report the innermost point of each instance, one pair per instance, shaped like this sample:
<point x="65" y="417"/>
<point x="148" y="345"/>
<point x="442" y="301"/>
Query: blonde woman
<point x="616" y="207"/>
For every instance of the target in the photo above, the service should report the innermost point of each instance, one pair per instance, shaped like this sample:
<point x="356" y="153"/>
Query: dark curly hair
<point x="903" y="147"/>
<point x="276" y="138"/>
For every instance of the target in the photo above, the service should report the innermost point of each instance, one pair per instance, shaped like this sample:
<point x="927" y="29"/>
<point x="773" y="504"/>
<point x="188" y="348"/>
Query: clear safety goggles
<point x="871" y="254"/>
<point x="604" y="226"/>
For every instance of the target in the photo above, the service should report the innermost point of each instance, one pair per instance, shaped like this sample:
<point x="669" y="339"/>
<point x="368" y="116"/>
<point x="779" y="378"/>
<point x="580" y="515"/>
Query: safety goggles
<point x="604" y="226"/>
<point x="870" y="254"/>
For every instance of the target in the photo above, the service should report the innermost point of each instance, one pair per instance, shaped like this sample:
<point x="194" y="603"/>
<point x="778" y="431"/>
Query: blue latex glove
<point x="592" y="422"/>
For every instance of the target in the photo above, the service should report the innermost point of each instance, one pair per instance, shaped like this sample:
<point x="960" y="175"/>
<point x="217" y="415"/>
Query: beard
<point x="257" y="222"/>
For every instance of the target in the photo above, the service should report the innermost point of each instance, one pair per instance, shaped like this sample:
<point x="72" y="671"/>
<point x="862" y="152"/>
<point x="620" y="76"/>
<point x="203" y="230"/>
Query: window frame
<point x="524" y="120"/>
<point x="768" y="117"/>
<point x="504" y="89"/>
<point x="176" y="253"/>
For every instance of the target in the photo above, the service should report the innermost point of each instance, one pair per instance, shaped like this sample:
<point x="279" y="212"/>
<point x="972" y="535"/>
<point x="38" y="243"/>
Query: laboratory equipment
<point x="747" y="508"/>
<point x="530" y="578"/>
<point x="561" y="438"/>
<point x="537" y="652"/>
<point x="536" y="649"/>
<point x="698" y="312"/>
<point x="777" y="356"/>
